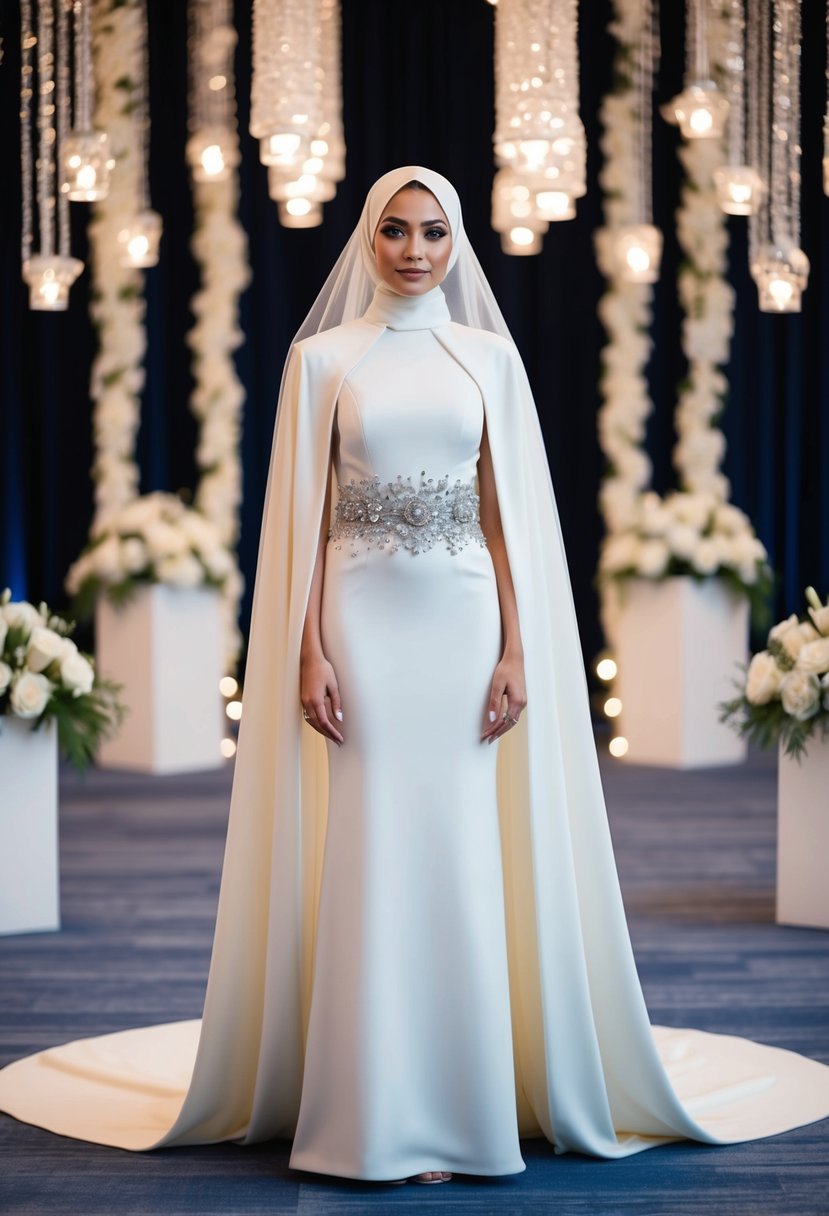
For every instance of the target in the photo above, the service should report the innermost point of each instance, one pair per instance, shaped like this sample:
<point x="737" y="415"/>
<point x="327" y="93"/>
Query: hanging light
<point x="636" y="245"/>
<point x="778" y="265"/>
<point x="296" y="103"/>
<point x="637" y="250"/>
<point x="299" y="213"/>
<point x="739" y="186"/>
<point x="700" y="109"/>
<point x="138" y="240"/>
<point x="539" y="140"/>
<point x="213" y="147"/>
<point x="140" y="236"/>
<point x="51" y="272"/>
<point x="86" y="160"/>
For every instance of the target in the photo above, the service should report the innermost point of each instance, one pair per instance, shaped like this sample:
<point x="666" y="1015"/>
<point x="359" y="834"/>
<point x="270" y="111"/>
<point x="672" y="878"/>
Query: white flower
<point x="77" y="673"/>
<point x="106" y="560"/>
<point x="4" y="629"/>
<point x="800" y="694"/>
<point x="30" y="694"/>
<point x="219" y="562"/>
<point x="793" y="640"/>
<point x="762" y="679"/>
<point x="180" y="570"/>
<point x="21" y="614"/>
<point x="45" y="646"/>
<point x="165" y="540"/>
<point x="134" y="556"/>
<point x="777" y="632"/>
<point x="820" y="616"/>
<point x="653" y="558"/>
<point x="5" y="676"/>
<point x="706" y="555"/>
<point x="814" y="656"/>
<point x="682" y="540"/>
<point x="620" y="552"/>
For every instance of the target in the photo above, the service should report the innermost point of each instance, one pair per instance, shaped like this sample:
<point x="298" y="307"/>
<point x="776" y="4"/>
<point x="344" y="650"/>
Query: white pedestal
<point x="679" y="642"/>
<point x="165" y="647"/>
<point x="29" y="874"/>
<point x="803" y="837"/>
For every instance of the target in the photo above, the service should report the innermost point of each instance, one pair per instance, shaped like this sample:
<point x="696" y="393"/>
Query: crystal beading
<point x="398" y="513"/>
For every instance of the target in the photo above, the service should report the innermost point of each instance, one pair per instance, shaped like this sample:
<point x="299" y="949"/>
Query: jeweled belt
<point x="398" y="513"/>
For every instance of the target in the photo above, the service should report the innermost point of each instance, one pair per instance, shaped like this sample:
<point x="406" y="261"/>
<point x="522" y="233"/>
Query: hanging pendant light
<point x="213" y="147"/>
<point x="86" y="160"/>
<point x="50" y="273"/>
<point x="700" y="109"/>
<point x="139" y="238"/>
<point x="778" y="265"/>
<point x="738" y="184"/>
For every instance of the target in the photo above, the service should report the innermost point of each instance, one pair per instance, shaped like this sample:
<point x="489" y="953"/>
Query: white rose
<point x="778" y="631"/>
<point x="164" y="540"/>
<point x="45" y="646"/>
<point x="793" y="640"/>
<point x="106" y="560"/>
<point x="219" y="562"/>
<point x="5" y="676"/>
<point x="763" y="679"/>
<point x="731" y="519"/>
<point x="4" y="629"/>
<point x="182" y="570"/>
<point x="800" y="694"/>
<point x="620" y="552"/>
<point x="814" y="656"/>
<point x="653" y="558"/>
<point x="30" y="694"/>
<point x="820" y="616"/>
<point x="77" y="674"/>
<point x="133" y="555"/>
<point x="21" y="614"/>
<point x="706" y="556"/>
<point x="682" y="539"/>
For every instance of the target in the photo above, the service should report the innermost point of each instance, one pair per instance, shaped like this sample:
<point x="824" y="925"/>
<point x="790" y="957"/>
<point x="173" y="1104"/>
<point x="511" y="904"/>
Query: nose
<point x="412" y="251"/>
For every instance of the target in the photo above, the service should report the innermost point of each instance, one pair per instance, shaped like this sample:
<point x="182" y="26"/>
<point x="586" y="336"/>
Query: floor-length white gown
<point x="409" y="1061"/>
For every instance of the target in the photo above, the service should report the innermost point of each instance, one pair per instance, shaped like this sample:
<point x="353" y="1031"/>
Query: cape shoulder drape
<point x="592" y="1075"/>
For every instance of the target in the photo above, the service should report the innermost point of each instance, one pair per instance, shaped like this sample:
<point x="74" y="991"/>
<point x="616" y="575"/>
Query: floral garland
<point x="220" y="248"/>
<point x="44" y="676"/>
<point x="118" y="305"/>
<point x="784" y="698"/>
<point x="694" y="530"/>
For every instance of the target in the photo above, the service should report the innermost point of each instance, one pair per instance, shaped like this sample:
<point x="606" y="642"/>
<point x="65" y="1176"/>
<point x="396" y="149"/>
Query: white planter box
<point x="679" y="642"/>
<point x="803" y="837"/>
<point x="29" y="873"/>
<point x="165" y="647"/>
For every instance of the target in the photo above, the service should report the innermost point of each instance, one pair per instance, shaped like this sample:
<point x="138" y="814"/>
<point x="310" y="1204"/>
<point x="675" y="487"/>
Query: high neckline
<point x="407" y="312"/>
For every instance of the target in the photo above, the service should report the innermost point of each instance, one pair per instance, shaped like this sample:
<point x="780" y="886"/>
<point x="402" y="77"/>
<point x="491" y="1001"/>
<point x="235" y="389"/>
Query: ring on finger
<point x="509" y="718"/>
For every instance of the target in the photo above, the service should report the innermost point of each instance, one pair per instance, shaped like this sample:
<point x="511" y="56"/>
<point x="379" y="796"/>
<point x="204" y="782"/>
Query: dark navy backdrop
<point x="417" y="89"/>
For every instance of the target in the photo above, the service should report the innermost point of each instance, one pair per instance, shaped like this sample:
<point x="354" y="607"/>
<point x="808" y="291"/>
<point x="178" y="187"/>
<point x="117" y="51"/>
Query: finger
<point x="336" y="703"/>
<point x="494" y="707"/>
<point x="326" y="727"/>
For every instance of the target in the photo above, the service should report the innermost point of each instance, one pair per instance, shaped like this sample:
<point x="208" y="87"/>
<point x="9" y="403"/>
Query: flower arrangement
<point x="785" y="695"/>
<point x="694" y="530"/>
<point x="153" y="539"/>
<point x="43" y="676"/>
<point x="690" y="534"/>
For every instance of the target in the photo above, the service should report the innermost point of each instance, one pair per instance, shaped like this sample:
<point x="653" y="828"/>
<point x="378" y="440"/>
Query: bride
<point x="421" y="952"/>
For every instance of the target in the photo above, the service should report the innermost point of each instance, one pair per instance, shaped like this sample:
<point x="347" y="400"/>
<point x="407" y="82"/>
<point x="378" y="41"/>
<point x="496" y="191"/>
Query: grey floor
<point x="140" y="868"/>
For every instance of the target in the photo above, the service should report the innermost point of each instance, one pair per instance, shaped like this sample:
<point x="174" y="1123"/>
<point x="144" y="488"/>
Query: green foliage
<point x="84" y="722"/>
<point x="769" y="725"/>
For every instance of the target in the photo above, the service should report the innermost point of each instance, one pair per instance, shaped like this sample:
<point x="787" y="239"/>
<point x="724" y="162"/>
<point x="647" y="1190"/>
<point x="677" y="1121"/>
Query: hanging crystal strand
<point x="637" y="245"/>
<point x="213" y="146"/>
<point x="51" y="272"/>
<point x="700" y="109"/>
<point x="738" y="185"/>
<point x="779" y="266"/>
<point x="86" y="160"/>
<point x="759" y="118"/>
<point x="139" y="238"/>
<point x="539" y="139"/>
<point x="64" y="115"/>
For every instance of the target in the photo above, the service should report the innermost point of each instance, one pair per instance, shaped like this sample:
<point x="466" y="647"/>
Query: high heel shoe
<point x="445" y="1176"/>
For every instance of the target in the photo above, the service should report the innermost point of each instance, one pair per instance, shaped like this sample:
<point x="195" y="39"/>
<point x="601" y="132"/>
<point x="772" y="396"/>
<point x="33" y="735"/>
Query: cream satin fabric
<point x="592" y="1075"/>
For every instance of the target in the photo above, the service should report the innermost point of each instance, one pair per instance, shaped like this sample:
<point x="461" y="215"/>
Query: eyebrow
<point x="393" y="219"/>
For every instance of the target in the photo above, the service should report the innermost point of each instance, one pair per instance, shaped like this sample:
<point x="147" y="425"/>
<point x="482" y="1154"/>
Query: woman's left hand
<point x="507" y="680"/>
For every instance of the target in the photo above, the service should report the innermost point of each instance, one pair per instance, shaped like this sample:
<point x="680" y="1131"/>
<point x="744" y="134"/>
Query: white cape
<point x="592" y="1074"/>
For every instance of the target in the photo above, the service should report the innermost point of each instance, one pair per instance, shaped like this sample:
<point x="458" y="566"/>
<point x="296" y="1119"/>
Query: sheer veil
<point x="346" y="293"/>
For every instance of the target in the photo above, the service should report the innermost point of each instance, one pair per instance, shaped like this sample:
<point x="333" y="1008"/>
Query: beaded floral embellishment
<point x="396" y="513"/>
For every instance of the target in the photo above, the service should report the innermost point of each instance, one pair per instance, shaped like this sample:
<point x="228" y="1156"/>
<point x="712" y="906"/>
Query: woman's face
<point x="412" y="242"/>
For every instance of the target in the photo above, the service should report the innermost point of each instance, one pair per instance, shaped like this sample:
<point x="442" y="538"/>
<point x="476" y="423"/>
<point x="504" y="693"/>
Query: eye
<point x="434" y="234"/>
<point x="391" y="230"/>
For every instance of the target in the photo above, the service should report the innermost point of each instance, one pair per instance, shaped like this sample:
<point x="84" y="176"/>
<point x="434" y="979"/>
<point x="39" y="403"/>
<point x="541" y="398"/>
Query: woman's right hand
<point x="316" y="679"/>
